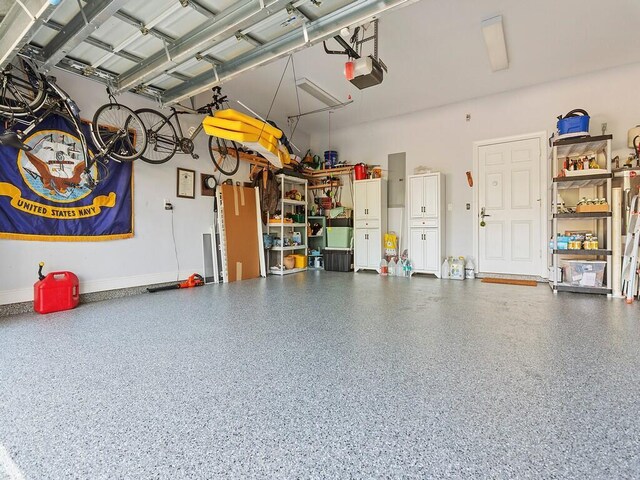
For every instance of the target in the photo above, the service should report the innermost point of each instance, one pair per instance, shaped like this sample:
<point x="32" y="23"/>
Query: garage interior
<point x="319" y="239"/>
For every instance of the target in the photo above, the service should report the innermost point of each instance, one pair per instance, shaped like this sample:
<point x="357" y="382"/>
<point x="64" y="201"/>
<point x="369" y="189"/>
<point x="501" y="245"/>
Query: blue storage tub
<point x="576" y="121"/>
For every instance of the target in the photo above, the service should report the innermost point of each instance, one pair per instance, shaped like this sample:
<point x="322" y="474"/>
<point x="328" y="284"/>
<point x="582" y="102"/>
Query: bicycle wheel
<point x="226" y="160"/>
<point x="22" y="88"/>
<point x="118" y="131"/>
<point x="162" y="140"/>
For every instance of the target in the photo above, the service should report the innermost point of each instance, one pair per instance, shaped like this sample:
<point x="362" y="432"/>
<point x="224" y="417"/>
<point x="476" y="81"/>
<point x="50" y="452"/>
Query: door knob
<point x="482" y="215"/>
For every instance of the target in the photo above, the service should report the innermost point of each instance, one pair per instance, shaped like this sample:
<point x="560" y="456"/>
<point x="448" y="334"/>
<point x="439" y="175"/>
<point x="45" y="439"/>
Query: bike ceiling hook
<point x="112" y="98"/>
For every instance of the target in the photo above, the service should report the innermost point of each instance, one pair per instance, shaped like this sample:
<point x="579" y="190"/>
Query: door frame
<point x="543" y="182"/>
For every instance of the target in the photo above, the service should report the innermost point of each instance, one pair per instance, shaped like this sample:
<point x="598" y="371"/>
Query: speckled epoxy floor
<point x="326" y="375"/>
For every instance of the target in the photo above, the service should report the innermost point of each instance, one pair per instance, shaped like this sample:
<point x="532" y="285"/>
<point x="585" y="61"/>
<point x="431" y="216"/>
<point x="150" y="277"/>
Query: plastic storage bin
<point x="300" y="261"/>
<point x="585" y="273"/>
<point x="339" y="237"/>
<point x="338" y="260"/>
<point x="577" y="124"/>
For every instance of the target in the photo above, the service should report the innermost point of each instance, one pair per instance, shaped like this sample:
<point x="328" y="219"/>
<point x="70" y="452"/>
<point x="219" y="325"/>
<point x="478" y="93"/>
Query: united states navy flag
<point x="44" y="193"/>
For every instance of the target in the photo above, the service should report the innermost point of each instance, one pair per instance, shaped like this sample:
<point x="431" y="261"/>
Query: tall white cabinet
<point x="370" y="222"/>
<point x="426" y="222"/>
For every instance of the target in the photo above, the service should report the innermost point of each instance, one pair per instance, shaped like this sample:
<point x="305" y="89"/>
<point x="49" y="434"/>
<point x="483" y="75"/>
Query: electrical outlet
<point x="468" y="206"/>
<point x="167" y="204"/>
<point x="450" y="207"/>
<point x="604" y="128"/>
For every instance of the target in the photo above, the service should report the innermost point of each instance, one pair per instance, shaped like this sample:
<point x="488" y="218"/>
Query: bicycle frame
<point x="175" y="113"/>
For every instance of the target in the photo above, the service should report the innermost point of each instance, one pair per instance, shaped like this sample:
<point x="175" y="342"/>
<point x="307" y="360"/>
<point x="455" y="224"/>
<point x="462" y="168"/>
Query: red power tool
<point x="194" y="280"/>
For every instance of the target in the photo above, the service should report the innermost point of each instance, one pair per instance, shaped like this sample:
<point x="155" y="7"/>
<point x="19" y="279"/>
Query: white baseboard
<point x="90" y="286"/>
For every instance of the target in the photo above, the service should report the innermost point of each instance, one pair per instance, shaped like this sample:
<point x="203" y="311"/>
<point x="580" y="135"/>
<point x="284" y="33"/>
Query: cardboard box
<point x="592" y="208"/>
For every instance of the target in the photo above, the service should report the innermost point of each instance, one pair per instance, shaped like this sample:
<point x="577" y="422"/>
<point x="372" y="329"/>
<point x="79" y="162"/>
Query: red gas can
<point x="57" y="291"/>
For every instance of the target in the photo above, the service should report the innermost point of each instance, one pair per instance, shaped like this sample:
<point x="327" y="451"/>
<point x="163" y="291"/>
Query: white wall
<point x="442" y="139"/>
<point x="146" y="258"/>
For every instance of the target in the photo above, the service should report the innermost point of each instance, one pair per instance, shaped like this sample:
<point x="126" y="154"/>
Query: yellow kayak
<point x="241" y="137"/>
<point x="267" y="146"/>
<point x="234" y="115"/>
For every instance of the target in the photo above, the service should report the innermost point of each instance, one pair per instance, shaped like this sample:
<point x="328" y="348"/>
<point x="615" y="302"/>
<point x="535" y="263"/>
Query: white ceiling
<point x="436" y="55"/>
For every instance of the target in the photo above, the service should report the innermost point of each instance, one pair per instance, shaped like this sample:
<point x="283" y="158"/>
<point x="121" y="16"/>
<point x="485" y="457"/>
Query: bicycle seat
<point x="11" y="139"/>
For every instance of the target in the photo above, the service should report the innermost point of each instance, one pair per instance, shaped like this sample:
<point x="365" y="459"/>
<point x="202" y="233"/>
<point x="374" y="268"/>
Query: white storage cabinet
<point x="370" y="222"/>
<point x="426" y="222"/>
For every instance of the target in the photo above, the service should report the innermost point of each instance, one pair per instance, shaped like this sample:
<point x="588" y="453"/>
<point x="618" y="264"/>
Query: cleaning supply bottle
<point x="383" y="267"/>
<point x="392" y="267"/>
<point x="457" y="269"/>
<point x="469" y="269"/>
<point x="446" y="272"/>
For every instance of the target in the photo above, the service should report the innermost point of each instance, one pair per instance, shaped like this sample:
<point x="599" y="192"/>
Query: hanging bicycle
<point x="28" y="98"/>
<point x="164" y="142"/>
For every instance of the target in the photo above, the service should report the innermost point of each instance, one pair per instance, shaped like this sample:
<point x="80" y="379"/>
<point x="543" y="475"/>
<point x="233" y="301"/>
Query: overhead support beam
<point x="96" y="43"/>
<point x="317" y="31"/>
<point x="198" y="7"/>
<point x="248" y="38"/>
<point x="78" y="29"/>
<point x="134" y="22"/>
<point x="143" y="30"/>
<point x="18" y="26"/>
<point x="209" y="59"/>
<point x="83" y="69"/>
<point x="179" y="76"/>
<point x="224" y="25"/>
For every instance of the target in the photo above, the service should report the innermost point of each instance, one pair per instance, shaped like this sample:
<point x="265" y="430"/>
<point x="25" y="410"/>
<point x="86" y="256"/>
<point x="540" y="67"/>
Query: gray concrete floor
<point x="325" y="375"/>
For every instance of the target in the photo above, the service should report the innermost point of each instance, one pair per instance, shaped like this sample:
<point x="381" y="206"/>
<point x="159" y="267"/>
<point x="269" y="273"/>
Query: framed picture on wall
<point x="186" y="187"/>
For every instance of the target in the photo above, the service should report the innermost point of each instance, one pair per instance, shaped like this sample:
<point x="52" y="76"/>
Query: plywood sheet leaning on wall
<point x="240" y="212"/>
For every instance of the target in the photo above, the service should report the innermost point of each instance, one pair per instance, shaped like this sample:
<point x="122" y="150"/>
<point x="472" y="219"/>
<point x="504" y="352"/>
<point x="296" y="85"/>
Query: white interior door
<point x="509" y="193"/>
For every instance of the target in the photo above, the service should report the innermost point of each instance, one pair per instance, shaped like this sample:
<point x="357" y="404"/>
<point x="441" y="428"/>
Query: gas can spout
<point x="40" y="275"/>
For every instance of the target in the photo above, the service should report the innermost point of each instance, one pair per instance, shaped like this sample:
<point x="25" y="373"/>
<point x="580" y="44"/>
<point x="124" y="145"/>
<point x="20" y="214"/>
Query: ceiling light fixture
<point x="494" y="40"/>
<point x="316" y="92"/>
